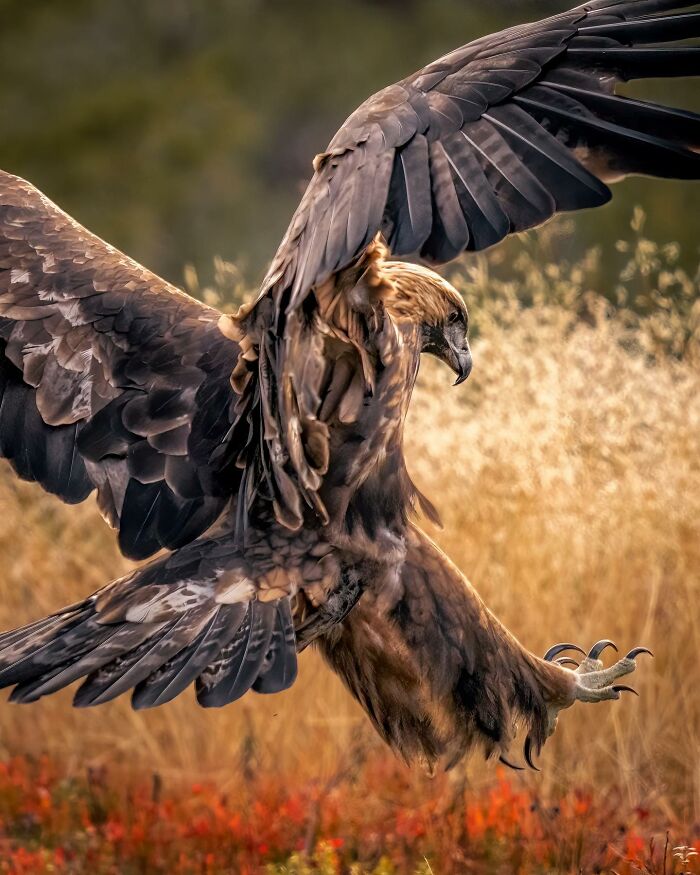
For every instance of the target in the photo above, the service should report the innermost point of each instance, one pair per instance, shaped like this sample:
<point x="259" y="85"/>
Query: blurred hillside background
<point x="567" y="470"/>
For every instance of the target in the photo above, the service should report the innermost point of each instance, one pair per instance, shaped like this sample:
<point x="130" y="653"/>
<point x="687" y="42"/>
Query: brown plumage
<point x="263" y="451"/>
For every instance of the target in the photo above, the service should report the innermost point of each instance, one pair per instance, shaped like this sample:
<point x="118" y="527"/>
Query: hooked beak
<point x="451" y="345"/>
<point x="464" y="364"/>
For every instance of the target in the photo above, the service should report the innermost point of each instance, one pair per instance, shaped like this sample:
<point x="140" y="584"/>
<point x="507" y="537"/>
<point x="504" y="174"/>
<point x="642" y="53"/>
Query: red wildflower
<point x="634" y="847"/>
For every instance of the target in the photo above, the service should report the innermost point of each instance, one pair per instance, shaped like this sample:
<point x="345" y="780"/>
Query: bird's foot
<point x="593" y="682"/>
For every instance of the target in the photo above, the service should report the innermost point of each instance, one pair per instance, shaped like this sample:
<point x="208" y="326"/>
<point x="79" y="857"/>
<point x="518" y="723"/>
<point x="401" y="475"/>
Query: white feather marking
<point x="142" y="613"/>
<point x="241" y="590"/>
<point x="19" y="276"/>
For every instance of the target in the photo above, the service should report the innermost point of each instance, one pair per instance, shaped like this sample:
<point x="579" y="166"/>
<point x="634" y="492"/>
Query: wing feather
<point x="110" y="379"/>
<point x="182" y="670"/>
<point x="190" y="616"/>
<point x="485" y="216"/>
<point x="410" y="197"/>
<point x="241" y="663"/>
<point x="450" y="234"/>
<point x="556" y="78"/>
<point x="492" y="139"/>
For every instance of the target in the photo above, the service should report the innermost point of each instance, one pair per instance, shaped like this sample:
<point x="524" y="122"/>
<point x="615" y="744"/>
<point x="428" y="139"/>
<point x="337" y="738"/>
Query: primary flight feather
<point x="260" y="454"/>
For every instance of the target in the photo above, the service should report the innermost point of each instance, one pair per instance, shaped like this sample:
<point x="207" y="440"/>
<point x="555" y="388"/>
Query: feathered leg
<point x="438" y="674"/>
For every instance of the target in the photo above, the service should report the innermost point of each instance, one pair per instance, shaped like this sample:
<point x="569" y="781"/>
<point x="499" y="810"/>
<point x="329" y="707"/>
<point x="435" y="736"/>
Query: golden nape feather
<point x="261" y="455"/>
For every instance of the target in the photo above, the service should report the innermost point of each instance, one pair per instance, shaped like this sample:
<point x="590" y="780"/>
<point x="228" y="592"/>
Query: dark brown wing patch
<point x="110" y="379"/>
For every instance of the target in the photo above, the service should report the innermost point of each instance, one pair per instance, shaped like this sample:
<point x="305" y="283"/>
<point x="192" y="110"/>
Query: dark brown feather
<point x="192" y="614"/>
<point x="600" y="43"/>
<point x="106" y="372"/>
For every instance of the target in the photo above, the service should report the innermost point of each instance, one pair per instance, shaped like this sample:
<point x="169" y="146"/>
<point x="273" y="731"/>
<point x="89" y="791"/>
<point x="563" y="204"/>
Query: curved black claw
<point x="633" y="654"/>
<point x="620" y="688"/>
<point x="599" y="647"/>
<point x="560" y="648"/>
<point x="510" y="765"/>
<point x="527" y="750"/>
<point x="567" y="660"/>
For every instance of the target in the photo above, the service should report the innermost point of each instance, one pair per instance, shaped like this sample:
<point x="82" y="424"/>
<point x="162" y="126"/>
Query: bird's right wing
<point x="208" y="613"/>
<point x="110" y="379"/>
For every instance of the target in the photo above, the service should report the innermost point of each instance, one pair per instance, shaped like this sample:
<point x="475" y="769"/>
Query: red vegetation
<point x="374" y="818"/>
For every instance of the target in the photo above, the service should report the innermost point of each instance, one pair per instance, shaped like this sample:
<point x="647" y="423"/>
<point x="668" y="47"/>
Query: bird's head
<point x="425" y="298"/>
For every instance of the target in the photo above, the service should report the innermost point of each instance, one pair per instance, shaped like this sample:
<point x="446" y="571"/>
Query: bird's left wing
<point x="110" y="379"/>
<point x="495" y="138"/>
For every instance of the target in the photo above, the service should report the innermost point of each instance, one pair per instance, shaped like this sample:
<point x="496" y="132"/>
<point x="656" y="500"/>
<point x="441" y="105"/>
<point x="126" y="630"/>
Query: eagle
<point x="256" y="459"/>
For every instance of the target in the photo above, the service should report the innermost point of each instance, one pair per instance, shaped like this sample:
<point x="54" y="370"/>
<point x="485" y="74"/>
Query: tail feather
<point x="156" y="632"/>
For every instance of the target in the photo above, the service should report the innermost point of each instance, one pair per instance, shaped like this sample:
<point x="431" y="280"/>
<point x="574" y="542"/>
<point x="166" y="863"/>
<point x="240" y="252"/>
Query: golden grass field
<point x="567" y="473"/>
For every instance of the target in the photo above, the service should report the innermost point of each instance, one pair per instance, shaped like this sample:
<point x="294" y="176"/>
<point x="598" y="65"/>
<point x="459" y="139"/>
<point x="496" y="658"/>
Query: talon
<point x="510" y="765"/>
<point x="566" y="660"/>
<point x="527" y="750"/>
<point x="620" y="688"/>
<point x="599" y="647"/>
<point x="560" y="648"/>
<point x="633" y="654"/>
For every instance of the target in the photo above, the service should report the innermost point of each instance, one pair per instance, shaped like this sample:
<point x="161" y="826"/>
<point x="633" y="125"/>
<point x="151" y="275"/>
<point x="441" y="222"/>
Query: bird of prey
<point x="258" y="456"/>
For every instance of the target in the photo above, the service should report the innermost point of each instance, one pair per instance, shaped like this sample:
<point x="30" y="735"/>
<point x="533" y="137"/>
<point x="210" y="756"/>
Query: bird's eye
<point x="454" y="318"/>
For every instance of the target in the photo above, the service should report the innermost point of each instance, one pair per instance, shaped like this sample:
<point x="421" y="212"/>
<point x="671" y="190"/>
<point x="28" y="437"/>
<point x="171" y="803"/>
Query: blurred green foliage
<point x="182" y="129"/>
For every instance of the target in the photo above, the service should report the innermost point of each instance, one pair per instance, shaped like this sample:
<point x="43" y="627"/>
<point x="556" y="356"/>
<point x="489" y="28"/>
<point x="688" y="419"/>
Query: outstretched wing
<point x="110" y="378"/>
<point x="495" y="138"/>
<point x="205" y="613"/>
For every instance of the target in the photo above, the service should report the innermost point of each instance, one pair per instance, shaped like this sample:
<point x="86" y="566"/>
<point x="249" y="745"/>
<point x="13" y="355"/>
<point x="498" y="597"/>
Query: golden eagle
<point x="260" y="455"/>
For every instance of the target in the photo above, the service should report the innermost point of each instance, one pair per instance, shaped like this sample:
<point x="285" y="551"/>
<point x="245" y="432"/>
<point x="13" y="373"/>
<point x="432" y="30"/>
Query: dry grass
<point x="568" y="476"/>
